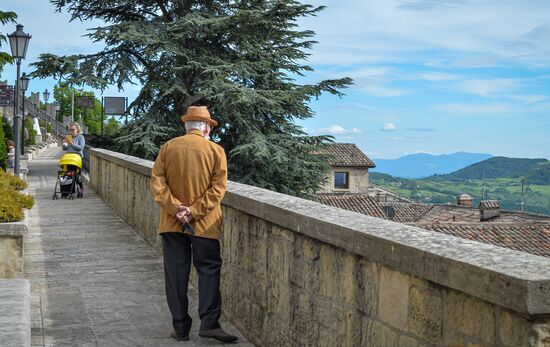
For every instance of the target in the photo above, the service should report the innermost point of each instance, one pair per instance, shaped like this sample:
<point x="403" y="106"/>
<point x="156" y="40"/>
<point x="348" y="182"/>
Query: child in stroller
<point x="68" y="178"/>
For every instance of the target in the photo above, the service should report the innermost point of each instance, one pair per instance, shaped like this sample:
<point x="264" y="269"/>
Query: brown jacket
<point x="190" y="171"/>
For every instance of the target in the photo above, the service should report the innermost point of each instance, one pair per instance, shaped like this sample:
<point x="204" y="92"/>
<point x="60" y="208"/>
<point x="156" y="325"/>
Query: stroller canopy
<point x="70" y="159"/>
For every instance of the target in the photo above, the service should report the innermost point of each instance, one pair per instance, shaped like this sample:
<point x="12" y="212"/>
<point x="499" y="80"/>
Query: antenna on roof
<point x="522" y="200"/>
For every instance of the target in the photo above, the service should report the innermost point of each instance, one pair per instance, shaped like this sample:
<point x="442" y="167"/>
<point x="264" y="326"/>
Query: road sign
<point x="84" y="101"/>
<point x="114" y="106"/>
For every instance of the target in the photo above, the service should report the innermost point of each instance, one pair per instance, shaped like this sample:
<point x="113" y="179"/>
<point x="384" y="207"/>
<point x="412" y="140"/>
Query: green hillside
<point x="437" y="190"/>
<point x="537" y="171"/>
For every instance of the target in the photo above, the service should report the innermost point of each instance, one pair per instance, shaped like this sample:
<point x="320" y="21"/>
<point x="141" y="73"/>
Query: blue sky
<point x="436" y="76"/>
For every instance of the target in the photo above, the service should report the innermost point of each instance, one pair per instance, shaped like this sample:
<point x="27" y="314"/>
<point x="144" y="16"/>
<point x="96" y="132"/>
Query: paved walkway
<point x="94" y="281"/>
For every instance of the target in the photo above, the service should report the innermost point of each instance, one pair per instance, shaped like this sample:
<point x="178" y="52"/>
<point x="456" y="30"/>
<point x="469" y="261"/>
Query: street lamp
<point x="19" y="42"/>
<point x="57" y="108"/>
<point x="24" y="85"/>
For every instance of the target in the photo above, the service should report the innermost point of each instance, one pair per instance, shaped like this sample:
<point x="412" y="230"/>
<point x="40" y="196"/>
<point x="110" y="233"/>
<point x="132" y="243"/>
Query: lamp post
<point x="24" y="85"/>
<point x="57" y="108"/>
<point x="46" y="96"/>
<point x="19" y="42"/>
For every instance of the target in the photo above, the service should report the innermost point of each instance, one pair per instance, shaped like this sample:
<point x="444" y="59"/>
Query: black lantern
<point x="24" y="80"/>
<point x="46" y="95"/>
<point x="19" y="42"/>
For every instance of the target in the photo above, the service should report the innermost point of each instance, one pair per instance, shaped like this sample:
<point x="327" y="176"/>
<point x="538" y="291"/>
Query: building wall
<point x="358" y="180"/>
<point x="300" y="273"/>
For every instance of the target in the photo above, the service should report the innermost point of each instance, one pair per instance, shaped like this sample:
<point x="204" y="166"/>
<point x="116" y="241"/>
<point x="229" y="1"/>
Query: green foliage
<point x="435" y="190"/>
<point x="12" y="202"/>
<point x="140" y="138"/>
<point x="31" y="140"/>
<point x="5" y="18"/>
<point x="495" y="167"/>
<point x="111" y="127"/>
<point x="62" y="93"/>
<point x="3" y="149"/>
<point x="12" y="182"/>
<point x="239" y="58"/>
<point x="8" y="130"/>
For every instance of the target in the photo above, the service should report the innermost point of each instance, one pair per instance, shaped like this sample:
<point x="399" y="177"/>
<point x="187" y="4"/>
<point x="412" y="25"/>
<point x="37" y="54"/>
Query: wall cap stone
<point x="16" y="228"/>
<point x="512" y="279"/>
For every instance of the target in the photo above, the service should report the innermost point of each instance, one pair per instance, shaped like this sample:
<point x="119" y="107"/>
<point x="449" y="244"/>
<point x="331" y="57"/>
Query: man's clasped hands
<point x="184" y="214"/>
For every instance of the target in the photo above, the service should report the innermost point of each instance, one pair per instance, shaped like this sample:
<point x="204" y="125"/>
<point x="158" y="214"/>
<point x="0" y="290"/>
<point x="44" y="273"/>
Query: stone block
<point x="11" y="256"/>
<point x="513" y="330"/>
<point x="367" y="295"/>
<point x="382" y="335"/>
<point x="406" y="341"/>
<point x="540" y="335"/>
<point x="393" y="298"/>
<point x="15" y="308"/>
<point x="425" y="311"/>
<point x="470" y="316"/>
<point x="453" y="339"/>
<point x="353" y="322"/>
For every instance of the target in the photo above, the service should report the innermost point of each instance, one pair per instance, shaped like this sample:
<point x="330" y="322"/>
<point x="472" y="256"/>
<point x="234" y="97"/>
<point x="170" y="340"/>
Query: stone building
<point x="350" y="169"/>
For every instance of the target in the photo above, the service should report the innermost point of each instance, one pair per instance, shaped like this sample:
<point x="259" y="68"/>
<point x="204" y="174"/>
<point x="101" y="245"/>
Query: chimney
<point x="464" y="200"/>
<point x="488" y="209"/>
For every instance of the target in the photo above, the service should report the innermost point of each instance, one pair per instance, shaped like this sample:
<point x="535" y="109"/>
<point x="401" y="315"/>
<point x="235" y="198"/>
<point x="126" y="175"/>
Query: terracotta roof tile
<point x="361" y="203"/>
<point x="530" y="238"/>
<point x="348" y="154"/>
<point x="407" y="212"/>
<point x="523" y="232"/>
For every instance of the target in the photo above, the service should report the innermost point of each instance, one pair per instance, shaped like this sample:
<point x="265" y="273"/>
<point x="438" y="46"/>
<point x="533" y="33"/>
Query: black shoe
<point x="219" y="335"/>
<point x="178" y="337"/>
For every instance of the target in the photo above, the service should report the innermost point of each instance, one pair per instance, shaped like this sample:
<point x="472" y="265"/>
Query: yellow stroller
<point x="68" y="178"/>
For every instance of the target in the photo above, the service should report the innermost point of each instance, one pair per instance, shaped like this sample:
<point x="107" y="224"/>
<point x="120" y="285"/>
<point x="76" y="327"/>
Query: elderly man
<point x="189" y="180"/>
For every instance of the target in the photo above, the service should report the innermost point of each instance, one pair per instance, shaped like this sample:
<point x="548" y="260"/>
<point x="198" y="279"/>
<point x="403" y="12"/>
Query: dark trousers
<point x="178" y="250"/>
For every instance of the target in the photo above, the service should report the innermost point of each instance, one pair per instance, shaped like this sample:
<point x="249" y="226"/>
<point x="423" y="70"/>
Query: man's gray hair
<point x="195" y="125"/>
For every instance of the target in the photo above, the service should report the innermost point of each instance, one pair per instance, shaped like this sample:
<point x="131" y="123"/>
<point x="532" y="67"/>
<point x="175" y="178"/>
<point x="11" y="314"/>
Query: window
<point x="341" y="180"/>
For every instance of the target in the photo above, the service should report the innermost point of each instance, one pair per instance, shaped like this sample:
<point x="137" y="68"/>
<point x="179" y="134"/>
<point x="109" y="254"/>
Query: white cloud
<point x="489" y="87"/>
<point x="383" y="91"/>
<point x="338" y="130"/>
<point x="487" y="32"/>
<point x="389" y="127"/>
<point x="529" y="99"/>
<point x="436" y="76"/>
<point x="475" y="109"/>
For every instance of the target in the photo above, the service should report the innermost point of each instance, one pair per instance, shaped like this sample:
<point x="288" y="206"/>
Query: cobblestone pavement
<point x="94" y="281"/>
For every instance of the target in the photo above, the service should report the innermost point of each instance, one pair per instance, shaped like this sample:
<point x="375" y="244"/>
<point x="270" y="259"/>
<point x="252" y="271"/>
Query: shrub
<point x="12" y="201"/>
<point x="31" y="140"/>
<point x="8" y="130"/>
<point x="11" y="181"/>
<point x="3" y="149"/>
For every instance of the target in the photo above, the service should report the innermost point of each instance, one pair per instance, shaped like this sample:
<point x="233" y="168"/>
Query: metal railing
<point x="58" y="128"/>
<point x="86" y="159"/>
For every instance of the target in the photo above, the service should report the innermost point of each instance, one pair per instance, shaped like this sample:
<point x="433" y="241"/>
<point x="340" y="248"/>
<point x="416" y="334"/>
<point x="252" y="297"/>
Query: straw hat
<point x="198" y="113"/>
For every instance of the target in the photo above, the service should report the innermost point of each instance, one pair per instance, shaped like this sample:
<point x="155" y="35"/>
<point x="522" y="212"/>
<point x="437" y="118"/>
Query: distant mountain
<point x="536" y="171"/>
<point x="498" y="178"/>
<point x="424" y="164"/>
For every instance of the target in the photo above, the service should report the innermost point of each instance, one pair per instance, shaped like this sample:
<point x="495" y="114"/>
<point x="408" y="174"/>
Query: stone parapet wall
<point x="300" y="273"/>
<point x="11" y="248"/>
